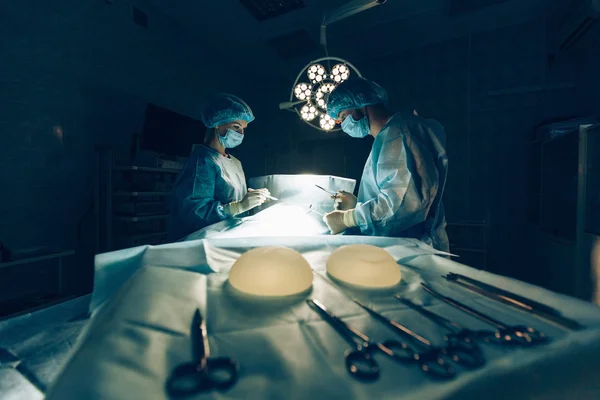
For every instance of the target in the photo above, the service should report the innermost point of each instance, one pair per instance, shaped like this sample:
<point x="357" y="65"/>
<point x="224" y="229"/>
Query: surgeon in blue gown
<point x="403" y="180"/>
<point x="212" y="185"/>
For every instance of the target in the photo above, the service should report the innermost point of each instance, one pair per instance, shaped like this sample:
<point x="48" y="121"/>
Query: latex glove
<point x="265" y="192"/>
<point x="339" y="221"/>
<point x="253" y="199"/>
<point x="344" y="200"/>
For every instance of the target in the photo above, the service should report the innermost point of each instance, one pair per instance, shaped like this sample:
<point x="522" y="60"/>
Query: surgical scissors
<point x="461" y="346"/>
<point x="359" y="362"/>
<point x="202" y="373"/>
<point x="517" y="334"/>
<point x="429" y="360"/>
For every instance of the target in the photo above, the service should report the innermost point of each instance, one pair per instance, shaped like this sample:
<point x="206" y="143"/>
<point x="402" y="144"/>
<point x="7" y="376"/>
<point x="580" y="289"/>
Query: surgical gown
<point x="208" y="181"/>
<point x="400" y="194"/>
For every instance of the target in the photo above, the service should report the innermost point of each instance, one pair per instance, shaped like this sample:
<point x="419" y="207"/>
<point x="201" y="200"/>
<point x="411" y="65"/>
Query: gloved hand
<point x="339" y="221"/>
<point x="344" y="200"/>
<point x="253" y="198"/>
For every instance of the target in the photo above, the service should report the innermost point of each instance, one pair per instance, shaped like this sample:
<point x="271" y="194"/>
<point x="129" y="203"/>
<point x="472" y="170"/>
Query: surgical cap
<point x="353" y="94"/>
<point x="224" y="108"/>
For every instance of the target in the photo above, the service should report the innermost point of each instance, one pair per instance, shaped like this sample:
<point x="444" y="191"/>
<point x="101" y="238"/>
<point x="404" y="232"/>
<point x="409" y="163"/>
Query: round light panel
<point x="323" y="77"/>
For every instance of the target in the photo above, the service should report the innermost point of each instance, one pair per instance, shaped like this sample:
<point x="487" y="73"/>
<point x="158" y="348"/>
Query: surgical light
<point x="327" y="123"/>
<point x="308" y="112"/>
<point x="323" y="77"/>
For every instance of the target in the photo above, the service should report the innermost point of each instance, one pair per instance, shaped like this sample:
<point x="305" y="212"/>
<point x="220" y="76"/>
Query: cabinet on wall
<point x="132" y="203"/>
<point x="564" y="211"/>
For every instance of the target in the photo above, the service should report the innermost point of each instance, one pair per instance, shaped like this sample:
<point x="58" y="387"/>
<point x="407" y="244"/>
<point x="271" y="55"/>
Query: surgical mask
<point x="231" y="139"/>
<point x="357" y="129"/>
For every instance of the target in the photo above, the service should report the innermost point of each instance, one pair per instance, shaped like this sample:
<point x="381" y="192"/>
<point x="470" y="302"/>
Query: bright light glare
<point x="320" y="98"/>
<point x="302" y="91"/>
<point x="288" y="220"/>
<point x="279" y="220"/>
<point x="316" y="73"/>
<point x="327" y="87"/>
<point x="327" y="123"/>
<point x="339" y="73"/>
<point x="322" y="81"/>
<point x="308" y="112"/>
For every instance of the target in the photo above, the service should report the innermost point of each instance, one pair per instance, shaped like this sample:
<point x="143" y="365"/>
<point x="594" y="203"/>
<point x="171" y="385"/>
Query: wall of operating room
<point x="460" y="82"/>
<point x="488" y="135"/>
<point x="82" y="78"/>
<point x="78" y="81"/>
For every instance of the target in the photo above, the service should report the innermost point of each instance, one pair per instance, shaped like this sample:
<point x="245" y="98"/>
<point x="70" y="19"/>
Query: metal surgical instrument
<point x="520" y="335"/>
<point x="424" y="353"/>
<point x="461" y="346"/>
<point x="513" y="300"/>
<point x="203" y="373"/>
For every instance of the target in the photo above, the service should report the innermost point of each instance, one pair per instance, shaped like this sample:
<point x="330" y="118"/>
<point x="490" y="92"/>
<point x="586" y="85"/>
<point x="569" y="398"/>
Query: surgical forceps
<point x="513" y="300"/>
<point x="364" y="347"/>
<point x="509" y="334"/>
<point x="428" y="358"/>
<point x="327" y="191"/>
<point x="202" y="373"/>
<point x="461" y="346"/>
<point x="360" y="362"/>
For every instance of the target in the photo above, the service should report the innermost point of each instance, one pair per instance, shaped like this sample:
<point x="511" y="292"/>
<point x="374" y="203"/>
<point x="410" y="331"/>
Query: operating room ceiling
<point x="280" y="46"/>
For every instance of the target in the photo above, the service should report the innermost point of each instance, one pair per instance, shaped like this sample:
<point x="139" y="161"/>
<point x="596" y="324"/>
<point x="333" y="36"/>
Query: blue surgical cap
<point x="224" y="108"/>
<point x="353" y="94"/>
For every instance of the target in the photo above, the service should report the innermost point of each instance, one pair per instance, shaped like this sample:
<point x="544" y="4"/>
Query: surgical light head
<point x="224" y="108"/>
<point x="355" y="93"/>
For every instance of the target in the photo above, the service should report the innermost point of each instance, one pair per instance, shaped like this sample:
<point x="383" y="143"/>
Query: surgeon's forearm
<point x="378" y="209"/>
<point x="373" y="211"/>
<point x="210" y="211"/>
<point x="232" y="209"/>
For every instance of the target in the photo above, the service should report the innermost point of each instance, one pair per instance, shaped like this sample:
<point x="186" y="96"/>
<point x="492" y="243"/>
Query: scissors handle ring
<point x="361" y="364"/>
<point x="430" y="360"/>
<point x="518" y="336"/>
<point x="463" y="351"/>
<point x="536" y="336"/>
<point x="187" y="379"/>
<point x="403" y="352"/>
<point x="433" y="364"/>
<point x="222" y="372"/>
<point x="463" y="339"/>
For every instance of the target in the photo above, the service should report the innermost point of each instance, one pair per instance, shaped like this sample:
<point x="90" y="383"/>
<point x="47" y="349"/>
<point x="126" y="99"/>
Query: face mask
<point x="231" y="139"/>
<point x="357" y="129"/>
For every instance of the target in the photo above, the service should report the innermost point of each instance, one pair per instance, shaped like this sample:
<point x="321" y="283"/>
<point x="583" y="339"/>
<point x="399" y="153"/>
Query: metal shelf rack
<point x="142" y="191"/>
